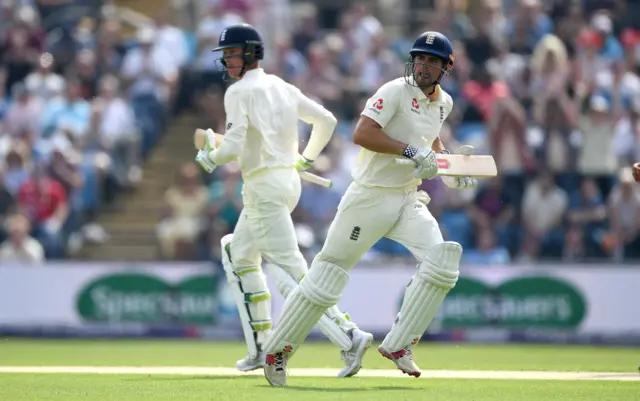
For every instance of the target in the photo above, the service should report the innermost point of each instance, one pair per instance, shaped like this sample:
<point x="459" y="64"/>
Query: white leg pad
<point x="320" y="289"/>
<point x="436" y="276"/>
<point x="333" y="323"/>
<point x="253" y="300"/>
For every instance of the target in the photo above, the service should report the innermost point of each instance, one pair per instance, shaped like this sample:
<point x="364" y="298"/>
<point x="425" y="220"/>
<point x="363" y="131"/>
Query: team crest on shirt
<point x="377" y="106"/>
<point x="415" y="107"/>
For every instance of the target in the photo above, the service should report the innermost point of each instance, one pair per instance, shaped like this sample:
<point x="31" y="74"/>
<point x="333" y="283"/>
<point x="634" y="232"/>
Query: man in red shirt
<point x="44" y="201"/>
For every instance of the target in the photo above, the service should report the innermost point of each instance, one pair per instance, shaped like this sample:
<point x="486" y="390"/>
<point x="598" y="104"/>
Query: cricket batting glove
<point x="211" y="140"/>
<point x="464" y="181"/>
<point x="303" y="163"/>
<point x="203" y="160"/>
<point x="426" y="162"/>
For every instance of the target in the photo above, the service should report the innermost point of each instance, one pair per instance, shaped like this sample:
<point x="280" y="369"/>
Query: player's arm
<point x="324" y="123"/>
<point x="369" y="135"/>
<point x="379" y="110"/>
<point x="237" y="122"/>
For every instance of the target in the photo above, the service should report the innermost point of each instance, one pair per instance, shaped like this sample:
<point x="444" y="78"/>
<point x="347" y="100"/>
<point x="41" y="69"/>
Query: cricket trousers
<point x="366" y="214"/>
<point x="265" y="229"/>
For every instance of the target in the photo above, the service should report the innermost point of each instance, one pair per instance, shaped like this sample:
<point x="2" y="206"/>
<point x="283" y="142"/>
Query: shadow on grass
<point x="264" y="385"/>
<point x="185" y="378"/>
<point x="344" y="389"/>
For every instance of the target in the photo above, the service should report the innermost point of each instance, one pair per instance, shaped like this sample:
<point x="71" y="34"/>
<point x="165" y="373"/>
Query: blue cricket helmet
<point x="245" y="37"/>
<point x="434" y="44"/>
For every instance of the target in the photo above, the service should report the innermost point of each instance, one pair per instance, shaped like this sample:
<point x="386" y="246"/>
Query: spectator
<point x="624" y="210"/>
<point x="17" y="167"/>
<point x="7" y="205"/>
<point x="116" y="130"/>
<point x="587" y="217"/>
<point x="20" y="246"/>
<point x="494" y="209"/>
<point x="19" y="122"/>
<point x="70" y="113"/>
<point x="543" y="209"/>
<point x="182" y="220"/>
<point x="44" y="83"/>
<point x="487" y="252"/>
<point x="150" y="75"/>
<point x="43" y="201"/>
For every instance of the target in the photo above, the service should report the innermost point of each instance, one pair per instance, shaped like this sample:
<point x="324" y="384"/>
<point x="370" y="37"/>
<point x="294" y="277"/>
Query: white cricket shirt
<point x="405" y="114"/>
<point x="262" y="123"/>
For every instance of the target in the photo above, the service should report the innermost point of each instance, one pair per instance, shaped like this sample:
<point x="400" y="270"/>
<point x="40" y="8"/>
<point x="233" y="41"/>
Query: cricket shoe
<point x="403" y="360"/>
<point x="275" y="369"/>
<point x="250" y="363"/>
<point x="352" y="358"/>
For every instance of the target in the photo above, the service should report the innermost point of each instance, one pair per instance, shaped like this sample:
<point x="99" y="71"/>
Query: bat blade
<point x="478" y="166"/>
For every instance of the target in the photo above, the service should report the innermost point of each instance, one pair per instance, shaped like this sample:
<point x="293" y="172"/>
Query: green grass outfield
<point x="194" y="370"/>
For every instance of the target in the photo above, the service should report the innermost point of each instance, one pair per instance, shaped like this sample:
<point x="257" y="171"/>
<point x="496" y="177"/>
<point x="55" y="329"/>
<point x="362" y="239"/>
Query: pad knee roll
<point x="324" y="284"/>
<point x="440" y="266"/>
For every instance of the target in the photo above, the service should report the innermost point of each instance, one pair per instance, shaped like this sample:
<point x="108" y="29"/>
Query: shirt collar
<point x="420" y="95"/>
<point x="254" y="72"/>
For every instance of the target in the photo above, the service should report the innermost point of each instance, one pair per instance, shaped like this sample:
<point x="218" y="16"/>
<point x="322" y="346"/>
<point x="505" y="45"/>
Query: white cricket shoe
<point x="352" y="358"/>
<point x="250" y="363"/>
<point x="275" y="369"/>
<point x="403" y="360"/>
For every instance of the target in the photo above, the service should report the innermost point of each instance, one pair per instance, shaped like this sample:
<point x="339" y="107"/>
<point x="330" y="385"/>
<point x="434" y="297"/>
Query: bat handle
<point x="323" y="182"/>
<point x="405" y="162"/>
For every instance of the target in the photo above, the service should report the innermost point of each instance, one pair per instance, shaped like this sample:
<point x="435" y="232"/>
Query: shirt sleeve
<point x="322" y="120"/>
<point x="382" y="106"/>
<point x="236" y="108"/>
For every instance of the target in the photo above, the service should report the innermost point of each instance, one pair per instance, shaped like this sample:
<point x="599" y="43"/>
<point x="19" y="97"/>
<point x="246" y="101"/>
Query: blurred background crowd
<point x="550" y="88"/>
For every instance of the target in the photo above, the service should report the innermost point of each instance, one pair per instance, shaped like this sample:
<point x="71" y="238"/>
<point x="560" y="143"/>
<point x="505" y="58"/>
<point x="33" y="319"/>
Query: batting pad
<point x="253" y="300"/>
<point x="333" y="323"/>
<point x="318" y="290"/>
<point x="436" y="276"/>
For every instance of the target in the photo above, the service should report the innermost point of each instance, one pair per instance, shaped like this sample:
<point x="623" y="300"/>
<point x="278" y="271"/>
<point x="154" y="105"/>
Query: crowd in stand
<point x="80" y="108"/>
<point x="550" y="88"/>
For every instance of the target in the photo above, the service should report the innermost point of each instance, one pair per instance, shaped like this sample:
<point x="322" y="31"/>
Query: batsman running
<point x="402" y="119"/>
<point x="262" y="132"/>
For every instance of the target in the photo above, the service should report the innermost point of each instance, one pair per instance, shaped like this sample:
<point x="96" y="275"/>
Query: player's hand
<point x="211" y="140"/>
<point x="303" y="163"/>
<point x="461" y="182"/>
<point x="426" y="164"/>
<point x="203" y="160"/>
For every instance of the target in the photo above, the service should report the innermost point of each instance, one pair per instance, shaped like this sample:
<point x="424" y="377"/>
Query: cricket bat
<point x="478" y="166"/>
<point x="200" y="140"/>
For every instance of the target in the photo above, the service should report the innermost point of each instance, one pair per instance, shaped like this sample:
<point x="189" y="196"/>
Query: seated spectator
<point x="624" y="211"/>
<point x="487" y="252"/>
<point x="182" y="221"/>
<point x="22" y="46"/>
<point x="16" y="166"/>
<point x="114" y="125"/>
<point x="71" y="113"/>
<point x="587" y="217"/>
<point x="44" y="202"/>
<point x="20" y="246"/>
<point x="44" y="83"/>
<point x="21" y="121"/>
<point x="151" y="76"/>
<point x="7" y="205"/>
<point x="543" y="209"/>
<point x="85" y="70"/>
<point x="494" y="209"/>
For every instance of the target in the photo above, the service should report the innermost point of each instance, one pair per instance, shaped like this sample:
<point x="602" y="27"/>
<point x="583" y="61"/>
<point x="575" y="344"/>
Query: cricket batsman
<point x="262" y="132"/>
<point x="402" y="119"/>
